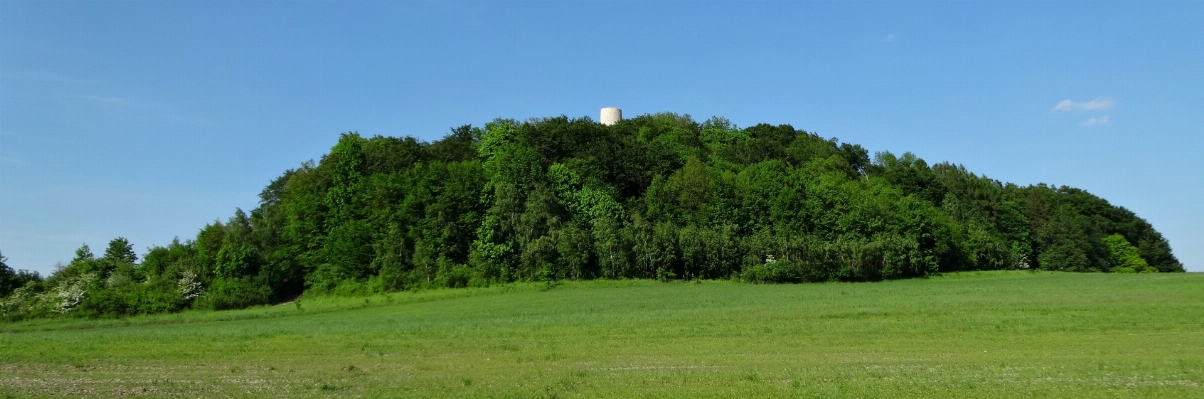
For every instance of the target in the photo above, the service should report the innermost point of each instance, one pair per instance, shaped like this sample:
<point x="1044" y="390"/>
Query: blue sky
<point x="148" y="120"/>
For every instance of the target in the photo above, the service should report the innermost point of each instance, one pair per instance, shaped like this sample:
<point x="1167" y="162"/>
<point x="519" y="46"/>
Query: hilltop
<point x="653" y="197"/>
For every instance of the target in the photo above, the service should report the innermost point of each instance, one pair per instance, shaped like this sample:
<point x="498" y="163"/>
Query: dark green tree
<point x="120" y="251"/>
<point x="11" y="279"/>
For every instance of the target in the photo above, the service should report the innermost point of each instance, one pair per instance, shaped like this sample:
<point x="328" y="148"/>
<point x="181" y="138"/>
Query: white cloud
<point x="1099" y="103"/>
<point x="890" y="37"/>
<point x="1100" y="121"/>
<point x="1064" y="105"/>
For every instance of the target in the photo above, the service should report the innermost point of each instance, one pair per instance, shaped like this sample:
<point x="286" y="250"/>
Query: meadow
<point x="960" y="335"/>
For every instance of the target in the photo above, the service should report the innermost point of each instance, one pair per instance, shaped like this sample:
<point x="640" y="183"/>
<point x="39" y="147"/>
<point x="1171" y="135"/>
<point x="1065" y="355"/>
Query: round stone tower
<point x="611" y="115"/>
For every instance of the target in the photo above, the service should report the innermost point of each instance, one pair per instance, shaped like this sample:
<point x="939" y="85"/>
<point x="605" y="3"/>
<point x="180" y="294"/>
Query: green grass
<point x="991" y="334"/>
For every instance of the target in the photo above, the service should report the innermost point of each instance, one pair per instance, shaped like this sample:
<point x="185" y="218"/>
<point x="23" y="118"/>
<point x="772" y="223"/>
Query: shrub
<point x="454" y="275"/>
<point x="1125" y="258"/>
<point x="351" y="287"/>
<point x="234" y="293"/>
<point x="132" y="299"/>
<point x="783" y="271"/>
<point x="26" y="302"/>
<point x="190" y="286"/>
<point x="11" y="280"/>
<point x="71" y="292"/>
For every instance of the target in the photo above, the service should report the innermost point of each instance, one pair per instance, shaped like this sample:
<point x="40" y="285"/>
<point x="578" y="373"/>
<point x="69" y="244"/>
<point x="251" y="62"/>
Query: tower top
<point x="611" y="116"/>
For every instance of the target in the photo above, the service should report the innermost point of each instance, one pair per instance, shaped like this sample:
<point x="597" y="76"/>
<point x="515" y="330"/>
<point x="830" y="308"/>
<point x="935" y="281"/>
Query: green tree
<point x="392" y="259"/>
<point x="1015" y="227"/>
<point x="170" y="262"/>
<point x="1125" y="257"/>
<point x="83" y="254"/>
<point x="238" y="255"/>
<point x="345" y="198"/>
<point x="120" y="251"/>
<point x="209" y="242"/>
<point x="495" y="248"/>
<point x="459" y="145"/>
<point x="11" y="279"/>
<point x="348" y="253"/>
<point x="611" y="244"/>
<point x="574" y="249"/>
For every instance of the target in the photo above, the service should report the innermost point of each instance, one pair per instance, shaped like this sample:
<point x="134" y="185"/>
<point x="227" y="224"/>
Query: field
<point x="990" y="334"/>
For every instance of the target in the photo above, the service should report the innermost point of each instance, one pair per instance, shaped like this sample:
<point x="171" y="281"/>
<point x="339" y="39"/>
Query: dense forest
<point x="655" y="197"/>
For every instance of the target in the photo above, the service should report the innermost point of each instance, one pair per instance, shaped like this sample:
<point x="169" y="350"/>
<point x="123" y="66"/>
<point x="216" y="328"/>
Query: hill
<point x="961" y="335"/>
<point x="657" y="196"/>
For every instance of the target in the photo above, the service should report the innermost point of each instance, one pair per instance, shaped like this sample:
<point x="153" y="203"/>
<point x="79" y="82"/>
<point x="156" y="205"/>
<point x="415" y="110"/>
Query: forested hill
<point x="658" y="196"/>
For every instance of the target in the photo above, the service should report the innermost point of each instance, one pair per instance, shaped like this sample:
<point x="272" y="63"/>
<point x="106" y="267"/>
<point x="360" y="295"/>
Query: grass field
<point x="991" y="334"/>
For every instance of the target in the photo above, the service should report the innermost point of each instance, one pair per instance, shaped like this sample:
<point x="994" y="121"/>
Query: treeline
<point x="658" y="196"/>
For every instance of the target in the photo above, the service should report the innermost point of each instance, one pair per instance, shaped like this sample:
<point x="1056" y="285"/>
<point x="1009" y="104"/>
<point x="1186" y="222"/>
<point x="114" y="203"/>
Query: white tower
<point x="611" y="116"/>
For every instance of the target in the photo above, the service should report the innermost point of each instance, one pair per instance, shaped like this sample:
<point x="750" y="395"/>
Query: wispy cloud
<point x="1100" y="121"/>
<point x="1099" y="103"/>
<point x="890" y="37"/>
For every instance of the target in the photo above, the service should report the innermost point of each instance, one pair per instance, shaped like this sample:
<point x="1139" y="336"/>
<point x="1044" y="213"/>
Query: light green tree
<point x="1125" y="257"/>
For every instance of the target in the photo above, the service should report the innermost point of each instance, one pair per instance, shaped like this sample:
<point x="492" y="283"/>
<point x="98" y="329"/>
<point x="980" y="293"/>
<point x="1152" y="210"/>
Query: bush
<point x="1125" y="258"/>
<point x="351" y="287"/>
<point x="11" y="280"/>
<point x="458" y="276"/>
<point x="132" y="299"/>
<point x="774" y="272"/>
<point x="27" y="302"/>
<point x="234" y="293"/>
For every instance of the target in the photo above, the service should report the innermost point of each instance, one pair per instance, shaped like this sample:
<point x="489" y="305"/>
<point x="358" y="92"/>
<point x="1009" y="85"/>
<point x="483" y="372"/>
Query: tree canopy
<point x="658" y="196"/>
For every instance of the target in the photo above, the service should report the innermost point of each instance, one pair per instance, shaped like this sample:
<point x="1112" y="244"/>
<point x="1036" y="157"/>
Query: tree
<point x="1069" y="242"/>
<point x="11" y="279"/>
<point x="348" y="253"/>
<point x="574" y="247"/>
<point x="118" y="261"/>
<point x="459" y="145"/>
<point x="170" y="262"/>
<point x="1125" y="257"/>
<point x="392" y="260"/>
<point x="83" y="254"/>
<point x="655" y="196"/>
<point x="209" y="242"/>
<point x="119" y="251"/>
<point x="1015" y="227"/>
<point x="238" y="255"/>
<point x="345" y="198"/>
<point x="541" y="217"/>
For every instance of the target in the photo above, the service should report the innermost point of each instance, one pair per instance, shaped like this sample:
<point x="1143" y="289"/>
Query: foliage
<point x="120" y="251"/>
<point x="657" y="196"/>
<point x="134" y="299"/>
<point x="1125" y="257"/>
<point x="11" y="280"/>
<point x="71" y="292"/>
<point x="190" y="286"/>
<point x="234" y="293"/>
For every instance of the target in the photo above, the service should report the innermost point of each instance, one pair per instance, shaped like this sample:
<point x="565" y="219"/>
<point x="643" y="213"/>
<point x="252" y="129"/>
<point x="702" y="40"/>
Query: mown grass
<point x="990" y="334"/>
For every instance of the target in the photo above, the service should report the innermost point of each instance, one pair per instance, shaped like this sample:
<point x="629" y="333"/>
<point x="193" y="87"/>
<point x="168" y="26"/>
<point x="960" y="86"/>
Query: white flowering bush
<point x="12" y="306"/>
<point x="118" y="280"/>
<point x="71" y="292"/>
<point x="190" y="285"/>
